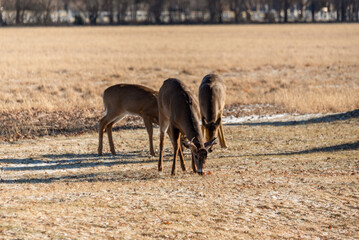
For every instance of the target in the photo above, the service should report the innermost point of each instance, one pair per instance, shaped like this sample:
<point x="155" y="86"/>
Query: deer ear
<point x="218" y="121"/>
<point x="210" y="143"/>
<point x="189" y="144"/>
<point x="204" y="122"/>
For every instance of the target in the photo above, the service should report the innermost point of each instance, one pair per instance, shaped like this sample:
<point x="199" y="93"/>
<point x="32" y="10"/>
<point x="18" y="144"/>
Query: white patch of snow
<point x="268" y="118"/>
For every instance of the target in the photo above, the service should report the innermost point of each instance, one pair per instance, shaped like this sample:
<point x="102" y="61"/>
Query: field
<point x="275" y="181"/>
<point x="55" y="77"/>
<point x="292" y="178"/>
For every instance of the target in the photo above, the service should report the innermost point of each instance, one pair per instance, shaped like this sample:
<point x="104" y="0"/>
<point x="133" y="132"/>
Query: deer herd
<point x="177" y="112"/>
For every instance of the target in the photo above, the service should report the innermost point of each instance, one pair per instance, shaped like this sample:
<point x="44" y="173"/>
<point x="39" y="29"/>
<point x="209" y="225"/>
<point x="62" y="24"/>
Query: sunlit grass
<point x="302" y="68"/>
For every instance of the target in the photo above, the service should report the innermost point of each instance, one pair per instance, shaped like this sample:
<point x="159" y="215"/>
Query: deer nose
<point x="200" y="172"/>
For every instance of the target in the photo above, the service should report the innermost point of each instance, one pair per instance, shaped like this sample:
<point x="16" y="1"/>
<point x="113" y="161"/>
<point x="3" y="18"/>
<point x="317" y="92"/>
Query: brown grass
<point x="278" y="181"/>
<point x="300" y="68"/>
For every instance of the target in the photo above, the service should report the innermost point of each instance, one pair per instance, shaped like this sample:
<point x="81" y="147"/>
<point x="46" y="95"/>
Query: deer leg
<point x="194" y="167"/>
<point x="104" y="122"/>
<point x="107" y="122"/>
<point x="110" y="139"/>
<point x="162" y="143"/>
<point x="149" y="128"/>
<point x="102" y="125"/>
<point x="222" y="141"/>
<point x="180" y="151"/>
<point x="175" y="137"/>
<point x="114" y="119"/>
<point x="164" y="123"/>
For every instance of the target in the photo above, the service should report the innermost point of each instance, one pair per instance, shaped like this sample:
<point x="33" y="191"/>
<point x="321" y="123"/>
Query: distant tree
<point x="215" y="10"/>
<point x="20" y="7"/>
<point x="155" y="9"/>
<point x="108" y="6"/>
<point x="92" y="8"/>
<point x="316" y="5"/>
<point x="348" y="10"/>
<point x="238" y="7"/>
<point x="121" y="6"/>
<point x="200" y="7"/>
<point x="179" y="10"/>
<point x="133" y="7"/>
<point x="302" y="5"/>
<point x="1" y="11"/>
<point x="43" y="8"/>
<point x="66" y="4"/>
<point x="282" y="5"/>
<point x="285" y="9"/>
<point x="356" y="10"/>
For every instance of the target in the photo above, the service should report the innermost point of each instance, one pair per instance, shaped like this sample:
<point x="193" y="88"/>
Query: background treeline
<point x="62" y="12"/>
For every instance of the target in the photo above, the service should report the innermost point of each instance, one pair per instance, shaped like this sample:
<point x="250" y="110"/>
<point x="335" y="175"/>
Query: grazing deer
<point x="123" y="99"/>
<point x="212" y="93"/>
<point x="179" y="114"/>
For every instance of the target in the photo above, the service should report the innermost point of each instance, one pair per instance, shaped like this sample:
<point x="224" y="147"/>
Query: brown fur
<point x="212" y="93"/>
<point x="179" y="114"/>
<point x="123" y="99"/>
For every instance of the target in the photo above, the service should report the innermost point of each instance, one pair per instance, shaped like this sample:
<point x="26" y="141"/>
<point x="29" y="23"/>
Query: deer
<point x="123" y="99"/>
<point x="211" y="96"/>
<point x="179" y="115"/>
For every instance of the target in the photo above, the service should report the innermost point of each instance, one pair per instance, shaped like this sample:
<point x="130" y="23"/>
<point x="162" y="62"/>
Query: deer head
<point x="199" y="154"/>
<point x="211" y="127"/>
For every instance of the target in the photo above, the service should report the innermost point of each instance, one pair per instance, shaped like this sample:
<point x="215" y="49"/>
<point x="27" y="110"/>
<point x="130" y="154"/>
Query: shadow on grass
<point x="335" y="148"/>
<point x="328" y="118"/>
<point x="88" y="177"/>
<point x="73" y="161"/>
<point x="77" y="161"/>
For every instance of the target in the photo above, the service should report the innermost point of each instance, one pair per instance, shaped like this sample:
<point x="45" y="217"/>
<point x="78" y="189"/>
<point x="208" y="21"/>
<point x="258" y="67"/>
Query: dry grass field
<point x="54" y="77"/>
<point x="285" y="179"/>
<point x="275" y="181"/>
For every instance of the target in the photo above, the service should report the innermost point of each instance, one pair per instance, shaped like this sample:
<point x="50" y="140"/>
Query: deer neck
<point x="193" y="133"/>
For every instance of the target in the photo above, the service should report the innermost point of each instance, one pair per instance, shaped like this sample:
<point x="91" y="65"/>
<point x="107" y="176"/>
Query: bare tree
<point x="200" y="7"/>
<point x="285" y="9"/>
<point x="108" y="5"/>
<point x="121" y="6"/>
<point x="20" y="7"/>
<point x="92" y="8"/>
<point x="302" y="5"/>
<point x="235" y="6"/>
<point x="47" y="6"/>
<point x="1" y="11"/>
<point x="215" y="11"/>
<point x="155" y="9"/>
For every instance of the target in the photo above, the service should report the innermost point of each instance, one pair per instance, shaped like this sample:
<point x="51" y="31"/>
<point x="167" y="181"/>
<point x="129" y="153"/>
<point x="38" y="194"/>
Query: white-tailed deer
<point x="179" y="114"/>
<point x="123" y="99"/>
<point x="212" y="93"/>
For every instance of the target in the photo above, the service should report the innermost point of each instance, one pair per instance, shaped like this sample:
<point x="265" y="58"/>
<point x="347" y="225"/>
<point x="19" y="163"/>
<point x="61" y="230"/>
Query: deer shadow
<point x="77" y="161"/>
<point x="71" y="161"/>
<point x="327" y="118"/>
<point x="334" y="148"/>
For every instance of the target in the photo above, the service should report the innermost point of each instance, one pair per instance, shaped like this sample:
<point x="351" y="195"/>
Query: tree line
<point x="53" y="12"/>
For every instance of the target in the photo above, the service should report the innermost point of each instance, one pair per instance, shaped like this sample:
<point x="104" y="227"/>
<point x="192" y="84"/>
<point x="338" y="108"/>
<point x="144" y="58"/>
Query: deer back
<point x="212" y="93"/>
<point x="131" y="98"/>
<point x="177" y="104"/>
